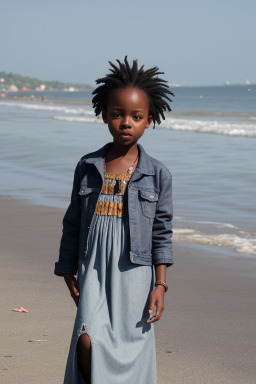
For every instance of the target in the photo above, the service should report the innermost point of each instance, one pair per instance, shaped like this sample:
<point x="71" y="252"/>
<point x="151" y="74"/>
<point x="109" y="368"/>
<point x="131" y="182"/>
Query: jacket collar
<point x="144" y="166"/>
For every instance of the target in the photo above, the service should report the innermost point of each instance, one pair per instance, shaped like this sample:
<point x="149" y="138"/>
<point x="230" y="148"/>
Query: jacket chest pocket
<point x="148" y="201"/>
<point x="89" y="196"/>
<point x="86" y="195"/>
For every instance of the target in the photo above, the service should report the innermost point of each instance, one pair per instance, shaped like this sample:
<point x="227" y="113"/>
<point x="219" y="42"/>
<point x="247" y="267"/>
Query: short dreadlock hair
<point x="156" y="89"/>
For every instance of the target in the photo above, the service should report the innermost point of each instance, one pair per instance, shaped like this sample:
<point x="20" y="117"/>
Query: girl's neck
<point x="120" y="159"/>
<point x="123" y="151"/>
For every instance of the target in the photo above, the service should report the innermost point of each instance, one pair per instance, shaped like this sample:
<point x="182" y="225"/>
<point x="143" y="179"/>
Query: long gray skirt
<point x="113" y="309"/>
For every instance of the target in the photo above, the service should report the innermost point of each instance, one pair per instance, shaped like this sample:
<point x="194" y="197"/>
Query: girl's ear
<point x="150" y="119"/>
<point x="104" y="116"/>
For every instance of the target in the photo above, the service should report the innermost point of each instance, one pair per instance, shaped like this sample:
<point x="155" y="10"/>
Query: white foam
<point x="48" y="107"/>
<point x="72" y="119"/>
<point x="183" y="231"/>
<point x="243" y="242"/>
<point x="210" y="126"/>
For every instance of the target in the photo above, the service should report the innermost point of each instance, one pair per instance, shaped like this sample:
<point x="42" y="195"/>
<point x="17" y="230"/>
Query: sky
<point x="198" y="42"/>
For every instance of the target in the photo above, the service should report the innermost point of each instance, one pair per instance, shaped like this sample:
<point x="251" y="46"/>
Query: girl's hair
<point x="156" y="89"/>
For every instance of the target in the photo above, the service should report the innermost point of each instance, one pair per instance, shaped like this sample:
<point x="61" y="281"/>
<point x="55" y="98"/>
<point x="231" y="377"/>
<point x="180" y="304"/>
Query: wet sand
<point x="207" y="333"/>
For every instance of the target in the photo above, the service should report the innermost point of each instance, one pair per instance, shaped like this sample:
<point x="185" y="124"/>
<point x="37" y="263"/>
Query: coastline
<point x="206" y="335"/>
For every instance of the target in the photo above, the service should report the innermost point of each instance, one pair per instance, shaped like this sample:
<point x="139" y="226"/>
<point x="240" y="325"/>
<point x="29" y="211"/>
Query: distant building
<point x="13" y="88"/>
<point x="172" y="85"/>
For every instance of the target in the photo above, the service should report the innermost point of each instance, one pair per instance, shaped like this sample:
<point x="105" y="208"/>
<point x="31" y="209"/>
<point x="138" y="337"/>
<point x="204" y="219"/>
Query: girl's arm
<point x="68" y="255"/>
<point x="156" y="304"/>
<point x="69" y="245"/>
<point x="161" y="245"/>
<point x="162" y="226"/>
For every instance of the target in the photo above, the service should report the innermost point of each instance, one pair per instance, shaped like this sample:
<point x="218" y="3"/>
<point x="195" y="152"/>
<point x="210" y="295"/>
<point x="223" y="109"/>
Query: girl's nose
<point x="126" y="123"/>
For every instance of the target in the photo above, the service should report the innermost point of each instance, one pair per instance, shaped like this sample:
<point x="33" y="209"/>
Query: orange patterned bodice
<point x="113" y="199"/>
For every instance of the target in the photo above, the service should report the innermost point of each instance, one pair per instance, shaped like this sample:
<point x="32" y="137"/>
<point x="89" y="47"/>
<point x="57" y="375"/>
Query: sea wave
<point x="72" y="119"/>
<point x="48" y="107"/>
<point x="214" y="127"/>
<point x="243" y="125"/>
<point x="211" y="126"/>
<point x="242" y="242"/>
<point x="213" y="114"/>
<point x="200" y="126"/>
<point x="211" y="224"/>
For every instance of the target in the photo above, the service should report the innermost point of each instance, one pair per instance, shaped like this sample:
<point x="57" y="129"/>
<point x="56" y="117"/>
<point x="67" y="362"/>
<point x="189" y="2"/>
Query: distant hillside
<point x="8" y="80"/>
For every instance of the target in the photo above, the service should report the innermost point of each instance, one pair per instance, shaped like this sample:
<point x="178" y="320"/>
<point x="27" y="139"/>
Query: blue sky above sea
<point x="194" y="43"/>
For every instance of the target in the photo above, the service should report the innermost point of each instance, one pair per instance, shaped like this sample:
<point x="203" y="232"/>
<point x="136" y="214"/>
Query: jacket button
<point x="133" y="258"/>
<point x="85" y="252"/>
<point x="131" y="187"/>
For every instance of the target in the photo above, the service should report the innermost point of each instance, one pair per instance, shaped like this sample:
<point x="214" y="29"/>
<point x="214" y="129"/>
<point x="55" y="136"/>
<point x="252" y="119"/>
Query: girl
<point x="117" y="227"/>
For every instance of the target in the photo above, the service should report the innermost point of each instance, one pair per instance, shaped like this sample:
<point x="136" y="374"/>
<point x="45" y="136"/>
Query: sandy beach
<point x="207" y="333"/>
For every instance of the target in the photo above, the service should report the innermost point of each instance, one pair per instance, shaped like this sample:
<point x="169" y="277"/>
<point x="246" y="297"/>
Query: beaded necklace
<point x="130" y="169"/>
<point x="120" y="179"/>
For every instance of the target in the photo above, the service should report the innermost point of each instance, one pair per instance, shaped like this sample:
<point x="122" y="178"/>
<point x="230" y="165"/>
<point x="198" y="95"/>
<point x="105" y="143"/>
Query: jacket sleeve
<point x="69" y="245"/>
<point x="162" y="252"/>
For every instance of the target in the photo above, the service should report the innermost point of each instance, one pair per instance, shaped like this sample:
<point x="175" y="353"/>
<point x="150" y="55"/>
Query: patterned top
<point x="113" y="199"/>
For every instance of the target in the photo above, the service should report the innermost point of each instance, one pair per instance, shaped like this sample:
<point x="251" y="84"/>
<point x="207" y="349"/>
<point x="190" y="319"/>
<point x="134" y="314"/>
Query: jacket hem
<point x="64" y="267"/>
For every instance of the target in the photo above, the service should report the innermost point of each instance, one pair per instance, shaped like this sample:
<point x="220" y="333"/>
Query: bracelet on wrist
<point x="160" y="282"/>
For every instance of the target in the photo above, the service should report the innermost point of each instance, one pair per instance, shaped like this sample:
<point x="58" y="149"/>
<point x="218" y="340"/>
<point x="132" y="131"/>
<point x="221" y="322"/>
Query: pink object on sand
<point x="20" y="310"/>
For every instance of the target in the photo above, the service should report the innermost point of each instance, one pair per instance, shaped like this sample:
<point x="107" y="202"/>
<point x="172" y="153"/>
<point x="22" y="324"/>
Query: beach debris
<point x="36" y="341"/>
<point x="20" y="310"/>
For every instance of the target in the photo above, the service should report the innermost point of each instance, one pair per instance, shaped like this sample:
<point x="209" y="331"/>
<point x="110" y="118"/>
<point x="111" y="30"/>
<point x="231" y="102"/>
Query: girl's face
<point x="127" y="115"/>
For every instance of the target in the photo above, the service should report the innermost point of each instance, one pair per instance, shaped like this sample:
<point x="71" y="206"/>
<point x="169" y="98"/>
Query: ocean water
<point x="207" y="142"/>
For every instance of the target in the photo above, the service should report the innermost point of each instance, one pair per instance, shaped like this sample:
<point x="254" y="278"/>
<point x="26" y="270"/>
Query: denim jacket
<point x="149" y="211"/>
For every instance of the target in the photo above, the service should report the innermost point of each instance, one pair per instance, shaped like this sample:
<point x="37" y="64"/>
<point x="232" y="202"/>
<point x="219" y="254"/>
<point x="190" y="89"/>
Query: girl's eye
<point x="136" y="117"/>
<point x="116" y="115"/>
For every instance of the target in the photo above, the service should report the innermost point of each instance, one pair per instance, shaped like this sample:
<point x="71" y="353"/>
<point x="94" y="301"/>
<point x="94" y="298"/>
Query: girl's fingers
<point x="72" y="286"/>
<point x="75" y="291"/>
<point x="151" y="308"/>
<point x="152" y="304"/>
<point x="75" y="294"/>
<point x="155" y="318"/>
<point x="158" y="312"/>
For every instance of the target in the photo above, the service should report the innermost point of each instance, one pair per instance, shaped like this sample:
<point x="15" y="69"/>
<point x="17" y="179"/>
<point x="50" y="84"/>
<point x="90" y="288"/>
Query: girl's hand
<point x="156" y="300"/>
<point x="71" y="282"/>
